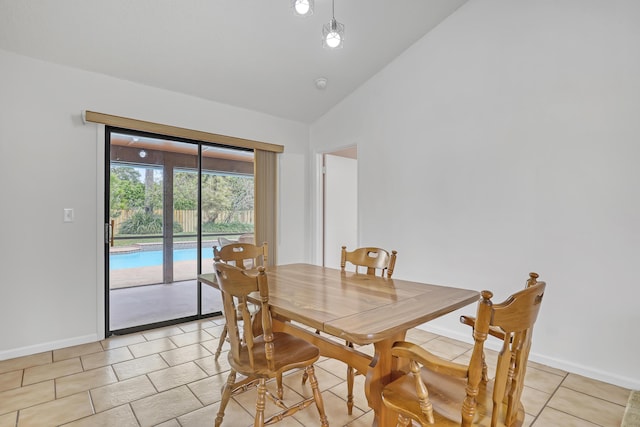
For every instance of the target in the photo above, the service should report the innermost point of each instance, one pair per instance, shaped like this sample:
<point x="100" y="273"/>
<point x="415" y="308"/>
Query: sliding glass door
<point x="169" y="201"/>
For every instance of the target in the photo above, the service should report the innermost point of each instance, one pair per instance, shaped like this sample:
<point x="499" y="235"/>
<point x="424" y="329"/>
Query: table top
<point x="356" y="307"/>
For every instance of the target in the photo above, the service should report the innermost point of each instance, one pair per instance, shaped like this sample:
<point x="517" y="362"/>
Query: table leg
<point x="380" y="373"/>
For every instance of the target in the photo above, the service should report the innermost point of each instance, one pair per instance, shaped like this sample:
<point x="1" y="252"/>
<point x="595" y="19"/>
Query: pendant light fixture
<point x="302" y="7"/>
<point x="333" y="32"/>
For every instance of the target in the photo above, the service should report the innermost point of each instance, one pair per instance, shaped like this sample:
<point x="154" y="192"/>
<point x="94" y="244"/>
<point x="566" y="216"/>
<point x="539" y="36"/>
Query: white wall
<point x="507" y="141"/>
<point x="51" y="285"/>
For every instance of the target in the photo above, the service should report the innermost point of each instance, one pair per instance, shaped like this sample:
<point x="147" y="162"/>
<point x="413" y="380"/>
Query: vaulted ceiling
<point x="253" y="54"/>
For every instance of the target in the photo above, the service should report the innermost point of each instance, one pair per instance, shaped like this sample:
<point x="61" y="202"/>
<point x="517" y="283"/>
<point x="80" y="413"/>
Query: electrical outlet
<point x="68" y="215"/>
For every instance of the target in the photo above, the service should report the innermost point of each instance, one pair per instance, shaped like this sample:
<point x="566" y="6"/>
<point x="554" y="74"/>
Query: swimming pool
<point x="151" y="258"/>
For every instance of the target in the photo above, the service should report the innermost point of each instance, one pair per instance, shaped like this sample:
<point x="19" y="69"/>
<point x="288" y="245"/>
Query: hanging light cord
<point x="334" y="25"/>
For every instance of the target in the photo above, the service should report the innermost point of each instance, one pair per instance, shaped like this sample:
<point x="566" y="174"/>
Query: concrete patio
<point x="138" y="297"/>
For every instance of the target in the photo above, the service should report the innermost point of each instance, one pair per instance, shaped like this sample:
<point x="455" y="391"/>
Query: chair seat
<point x="438" y="391"/>
<point x="445" y="393"/>
<point x="257" y="352"/>
<point x="292" y="353"/>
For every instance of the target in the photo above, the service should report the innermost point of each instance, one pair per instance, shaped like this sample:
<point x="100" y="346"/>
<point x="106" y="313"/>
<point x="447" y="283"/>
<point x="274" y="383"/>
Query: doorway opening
<point x="168" y="201"/>
<point x="339" y="203"/>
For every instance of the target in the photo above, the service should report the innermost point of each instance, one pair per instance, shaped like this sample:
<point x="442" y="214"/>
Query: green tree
<point x="130" y="190"/>
<point x="241" y="188"/>
<point x="216" y="196"/>
<point x="126" y="190"/>
<point x="185" y="191"/>
<point x="126" y="173"/>
<point x="152" y="190"/>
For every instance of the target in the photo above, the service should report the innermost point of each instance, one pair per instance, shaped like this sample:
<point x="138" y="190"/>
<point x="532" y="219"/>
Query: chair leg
<point x="350" y="379"/>
<point x="223" y="337"/>
<point x="317" y="396"/>
<point x="226" y="395"/>
<point x="260" y="403"/>
<point x="280" y="388"/>
<point x="304" y="374"/>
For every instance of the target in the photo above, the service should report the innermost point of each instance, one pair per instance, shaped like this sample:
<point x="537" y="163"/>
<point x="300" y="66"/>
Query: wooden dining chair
<point x="439" y="392"/>
<point x="257" y="353"/>
<point x="370" y="258"/>
<point x="244" y="256"/>
<point x="495" y="331"/>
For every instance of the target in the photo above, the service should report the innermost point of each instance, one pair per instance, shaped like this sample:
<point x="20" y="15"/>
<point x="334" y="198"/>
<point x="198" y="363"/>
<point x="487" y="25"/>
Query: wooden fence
<point x="189" y="218"/>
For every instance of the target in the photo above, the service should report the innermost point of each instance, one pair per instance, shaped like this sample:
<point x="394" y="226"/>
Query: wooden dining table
<point x="359" y="308"/>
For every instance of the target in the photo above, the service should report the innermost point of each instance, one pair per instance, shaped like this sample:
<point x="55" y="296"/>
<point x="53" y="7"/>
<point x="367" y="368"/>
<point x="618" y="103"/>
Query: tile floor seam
<point x="194" y="395"/>
<point x="152" y="384"/>
<point x="546" y="403"/>
<point x="340" y="397"/>
<point x="577" y="391"/>
<point x="251" y="413"/>
<point x="19" y="411"/>
<point x="595" y="397"/>
<point x="544" y="391"/>
<point x="71" y="357"/>
<point x="61" y="376"/>
<point x="35" y="404"/>
<point x="128" y="404"/>
<point x="134" y="413"/>
<point x="199" y="400"/>
<point x="173" y="342"/>
<point x="586" y="394"/>
<point x="93" y="406"/>
<point x="577" y="417"/>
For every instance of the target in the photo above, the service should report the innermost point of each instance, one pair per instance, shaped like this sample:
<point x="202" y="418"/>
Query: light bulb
<point x="302" y="7"/>
<point x="333" y="34"/>
<point x="333" y="39"/>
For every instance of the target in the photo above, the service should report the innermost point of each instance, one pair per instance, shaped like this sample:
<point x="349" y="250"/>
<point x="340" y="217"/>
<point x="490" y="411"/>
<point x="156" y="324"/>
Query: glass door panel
<point x="227" y="188"/>
<point x="149" y="284"/>
<point x="169" y="202"/>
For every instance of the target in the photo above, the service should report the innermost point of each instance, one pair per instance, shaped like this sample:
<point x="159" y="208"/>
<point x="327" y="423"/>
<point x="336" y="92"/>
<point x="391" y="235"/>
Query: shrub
<point x="145" y="223"/>
<point x="232" y="227"/>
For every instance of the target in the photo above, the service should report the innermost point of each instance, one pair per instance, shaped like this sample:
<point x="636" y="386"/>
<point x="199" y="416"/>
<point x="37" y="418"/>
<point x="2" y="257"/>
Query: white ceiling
<point x="253" y="54"/>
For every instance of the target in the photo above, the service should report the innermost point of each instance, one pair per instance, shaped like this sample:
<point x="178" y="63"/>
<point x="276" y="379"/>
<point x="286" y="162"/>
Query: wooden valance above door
<point x="143" y="126"/>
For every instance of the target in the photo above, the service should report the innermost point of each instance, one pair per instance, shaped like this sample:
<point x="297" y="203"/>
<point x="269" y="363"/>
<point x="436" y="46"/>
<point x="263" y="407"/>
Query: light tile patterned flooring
<point x="168" y="377"/>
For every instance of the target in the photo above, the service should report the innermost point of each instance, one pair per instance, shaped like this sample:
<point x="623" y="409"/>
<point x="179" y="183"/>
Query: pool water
<point x="150" y="258"/>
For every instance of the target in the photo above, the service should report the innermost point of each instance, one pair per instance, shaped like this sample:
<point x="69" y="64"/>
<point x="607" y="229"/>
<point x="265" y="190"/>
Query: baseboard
<point x="585" y="371"/>
<point x="48" y="346"/>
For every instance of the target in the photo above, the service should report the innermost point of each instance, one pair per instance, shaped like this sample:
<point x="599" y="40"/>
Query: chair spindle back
<point x="371" y="258"/>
